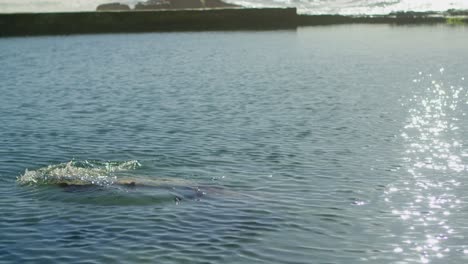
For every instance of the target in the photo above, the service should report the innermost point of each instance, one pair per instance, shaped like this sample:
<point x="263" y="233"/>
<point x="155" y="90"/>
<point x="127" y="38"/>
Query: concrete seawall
<point x="306" y="20"/>
<point x="30" y="24"/>
<point x="146" y="21"/>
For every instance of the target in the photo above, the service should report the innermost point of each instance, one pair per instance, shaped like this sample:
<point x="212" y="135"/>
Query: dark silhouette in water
<point x="119" y="183"/>
<point x="177" y="190"/>
<point x="111" y="179"/>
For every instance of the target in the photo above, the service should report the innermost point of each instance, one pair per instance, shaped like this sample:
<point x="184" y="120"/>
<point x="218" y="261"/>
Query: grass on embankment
<point x="457" y="20"/>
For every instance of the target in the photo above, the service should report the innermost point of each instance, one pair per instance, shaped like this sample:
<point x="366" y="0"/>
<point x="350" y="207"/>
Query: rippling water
<point x="340" y="144"/>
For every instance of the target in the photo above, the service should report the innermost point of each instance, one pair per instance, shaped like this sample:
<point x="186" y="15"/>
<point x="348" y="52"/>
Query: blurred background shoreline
<point x="343" y="7"/>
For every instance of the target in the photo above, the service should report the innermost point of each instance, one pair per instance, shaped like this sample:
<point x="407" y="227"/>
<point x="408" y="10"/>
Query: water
<point x="304" y="6"/>
<point x="337" y="144"/>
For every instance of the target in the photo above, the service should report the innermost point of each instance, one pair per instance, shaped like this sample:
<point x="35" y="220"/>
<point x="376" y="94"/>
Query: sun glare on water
<point x="426" y="198"/>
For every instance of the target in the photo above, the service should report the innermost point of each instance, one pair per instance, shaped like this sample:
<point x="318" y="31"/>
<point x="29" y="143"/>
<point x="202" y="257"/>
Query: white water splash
<point x="78" y="172"/>
<point x="355" y="7"/>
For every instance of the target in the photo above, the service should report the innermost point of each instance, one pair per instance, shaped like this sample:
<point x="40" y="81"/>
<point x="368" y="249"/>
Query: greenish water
<point x="340" y="144"/>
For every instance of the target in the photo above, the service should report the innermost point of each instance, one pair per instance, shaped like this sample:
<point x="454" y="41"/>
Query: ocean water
<point x="335" y="144"/>
<point x="304" y="6"/>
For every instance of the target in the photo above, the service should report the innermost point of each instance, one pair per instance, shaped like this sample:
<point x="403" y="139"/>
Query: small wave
<point x="78" y="173"/>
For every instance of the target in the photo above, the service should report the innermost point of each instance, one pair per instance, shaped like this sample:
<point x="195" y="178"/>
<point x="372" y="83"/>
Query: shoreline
<point x="67" y="23"/>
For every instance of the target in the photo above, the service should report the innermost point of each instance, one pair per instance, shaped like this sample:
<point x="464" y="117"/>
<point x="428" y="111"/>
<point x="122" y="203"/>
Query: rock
<point x="182" y="4"/>
<point x="113" y="7"/>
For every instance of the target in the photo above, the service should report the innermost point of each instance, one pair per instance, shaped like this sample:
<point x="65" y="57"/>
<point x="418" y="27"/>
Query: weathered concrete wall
<point x="305" y="20"/>
<point x="193" y="20"/>
<point x="146" y="21"/>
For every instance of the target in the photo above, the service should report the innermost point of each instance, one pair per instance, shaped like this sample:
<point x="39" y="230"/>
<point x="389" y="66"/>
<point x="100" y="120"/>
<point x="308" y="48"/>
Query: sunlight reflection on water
<point x="426" y="198"/>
